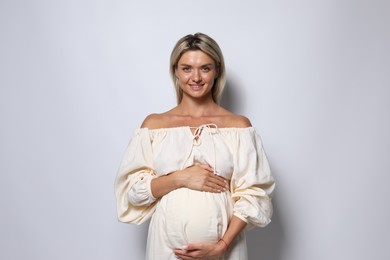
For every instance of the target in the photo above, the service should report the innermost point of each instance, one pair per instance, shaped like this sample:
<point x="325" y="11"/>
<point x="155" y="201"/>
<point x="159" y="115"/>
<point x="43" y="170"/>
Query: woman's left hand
<point x="201" y="250"/>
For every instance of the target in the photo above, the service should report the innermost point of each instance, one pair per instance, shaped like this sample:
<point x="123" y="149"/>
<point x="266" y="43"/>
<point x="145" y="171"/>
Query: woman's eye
<point x="186" y="69"/>
<point x="206" y="69"/>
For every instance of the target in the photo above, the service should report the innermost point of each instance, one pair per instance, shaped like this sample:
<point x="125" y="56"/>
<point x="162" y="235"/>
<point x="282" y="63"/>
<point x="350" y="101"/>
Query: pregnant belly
<point x="194" y="216"/>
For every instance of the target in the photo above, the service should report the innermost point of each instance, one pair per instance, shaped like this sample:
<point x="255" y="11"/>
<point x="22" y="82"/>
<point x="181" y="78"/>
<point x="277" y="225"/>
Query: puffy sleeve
<point x="134" y="199"/>
<point x="252" y="184"/>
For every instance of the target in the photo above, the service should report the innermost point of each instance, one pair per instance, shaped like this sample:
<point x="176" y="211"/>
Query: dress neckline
<point x="186" y="127"/>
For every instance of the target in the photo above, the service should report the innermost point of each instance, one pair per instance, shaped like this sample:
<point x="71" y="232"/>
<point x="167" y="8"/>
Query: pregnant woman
<point x="198" y="170"/>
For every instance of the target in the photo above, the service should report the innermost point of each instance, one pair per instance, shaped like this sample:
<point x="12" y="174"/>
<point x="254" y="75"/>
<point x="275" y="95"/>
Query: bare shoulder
<point x="234" y="120"/>
<point x="238" y="121"/>
<point x="153" y="121"/>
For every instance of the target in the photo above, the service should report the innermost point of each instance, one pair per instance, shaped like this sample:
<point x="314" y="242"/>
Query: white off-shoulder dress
<point x="184" y="215"/>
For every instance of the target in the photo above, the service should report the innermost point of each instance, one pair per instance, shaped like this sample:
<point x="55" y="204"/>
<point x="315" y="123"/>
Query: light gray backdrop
<point x="77" y="77"/>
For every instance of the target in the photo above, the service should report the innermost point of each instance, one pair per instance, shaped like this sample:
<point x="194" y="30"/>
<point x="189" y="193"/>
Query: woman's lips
<point x="196" y="86"/>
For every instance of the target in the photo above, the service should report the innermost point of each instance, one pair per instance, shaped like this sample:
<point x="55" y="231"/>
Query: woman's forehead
<point x="195" y="56"/>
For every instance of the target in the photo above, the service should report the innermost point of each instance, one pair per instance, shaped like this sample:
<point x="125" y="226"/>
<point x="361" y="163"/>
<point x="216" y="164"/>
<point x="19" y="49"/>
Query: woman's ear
<point x="217" y="72"/>
<point x="175" y="70"/>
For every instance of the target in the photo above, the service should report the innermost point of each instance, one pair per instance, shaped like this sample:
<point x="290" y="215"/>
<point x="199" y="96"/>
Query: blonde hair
<point x="206" y="44"/>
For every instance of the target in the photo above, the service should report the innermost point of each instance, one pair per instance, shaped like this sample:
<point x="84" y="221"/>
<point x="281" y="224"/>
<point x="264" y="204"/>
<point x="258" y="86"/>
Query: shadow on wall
<point x="231" y="98"/>
<point x="266" y="243"/>
<point x="263" y="243"/>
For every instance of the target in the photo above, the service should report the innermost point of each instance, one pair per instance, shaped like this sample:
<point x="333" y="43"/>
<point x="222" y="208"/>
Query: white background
<point x="78" y="76"/>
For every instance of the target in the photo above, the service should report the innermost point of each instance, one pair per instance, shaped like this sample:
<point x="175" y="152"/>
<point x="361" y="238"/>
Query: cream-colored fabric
<point x="135" y="170"/>
<point x="185" y="215"/>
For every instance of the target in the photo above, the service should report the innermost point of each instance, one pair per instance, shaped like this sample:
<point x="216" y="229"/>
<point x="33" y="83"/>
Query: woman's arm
<point x="197" y="177"/>
<point x="200" y="250"/>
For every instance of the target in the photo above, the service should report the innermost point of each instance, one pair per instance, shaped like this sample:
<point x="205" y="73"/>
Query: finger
<point x="213" y="188"/>
<point x="219" y="182"/>
<point x="194" y="246"/>
<point x="216" y="176"/>
<point x="216" y="183"/>
<point x="184" y="255"/>
<point x="189" y="255"/>
<point x="207" y="167"/>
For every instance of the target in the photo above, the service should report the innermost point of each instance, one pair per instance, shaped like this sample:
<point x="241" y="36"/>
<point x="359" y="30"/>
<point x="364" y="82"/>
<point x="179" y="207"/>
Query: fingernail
<point x="184" y="247"/>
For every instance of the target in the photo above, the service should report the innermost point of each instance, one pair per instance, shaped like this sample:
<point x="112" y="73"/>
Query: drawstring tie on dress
<point x="196" y="141"/>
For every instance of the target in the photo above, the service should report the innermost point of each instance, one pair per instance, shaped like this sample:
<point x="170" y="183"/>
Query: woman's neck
<point x="196" y="109"/>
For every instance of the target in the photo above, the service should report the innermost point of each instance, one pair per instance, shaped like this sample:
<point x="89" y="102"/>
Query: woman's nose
<point x="196" y="76"/>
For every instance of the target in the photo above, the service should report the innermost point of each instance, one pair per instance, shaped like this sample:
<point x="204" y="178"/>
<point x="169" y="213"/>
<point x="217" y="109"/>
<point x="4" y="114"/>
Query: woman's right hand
<point x="201" y="177"/>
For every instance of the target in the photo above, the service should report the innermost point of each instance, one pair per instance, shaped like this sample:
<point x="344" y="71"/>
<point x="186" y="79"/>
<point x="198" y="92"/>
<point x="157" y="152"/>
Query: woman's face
<point x="196" y="72"/>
